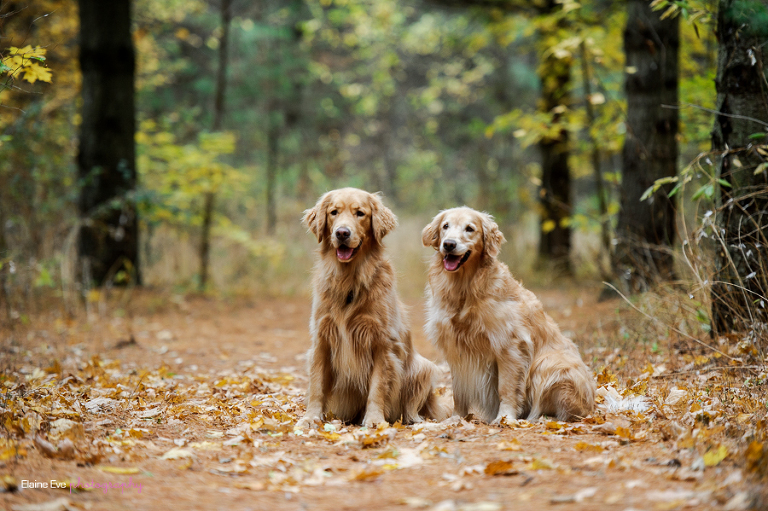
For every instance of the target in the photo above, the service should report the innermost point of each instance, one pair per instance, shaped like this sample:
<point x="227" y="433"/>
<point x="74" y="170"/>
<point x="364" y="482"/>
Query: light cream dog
<point x="508" y="358"/>
<point x="362" y="364"/>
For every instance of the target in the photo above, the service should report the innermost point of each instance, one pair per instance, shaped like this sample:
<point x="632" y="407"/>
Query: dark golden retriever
<point x="362" y="364"/>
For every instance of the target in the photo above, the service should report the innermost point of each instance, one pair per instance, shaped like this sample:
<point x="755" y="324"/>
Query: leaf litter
<point x="236" y="423"/>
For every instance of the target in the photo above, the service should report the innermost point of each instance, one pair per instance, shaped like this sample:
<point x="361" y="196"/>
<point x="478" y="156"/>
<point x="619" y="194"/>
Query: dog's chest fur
<point x="351" y="356"/>
<point x="475" y="329"/>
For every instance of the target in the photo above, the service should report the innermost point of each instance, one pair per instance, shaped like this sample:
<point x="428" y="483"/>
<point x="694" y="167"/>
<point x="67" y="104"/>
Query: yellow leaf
<point x="554" y="425"/>
<point x="541" y="464"/>
<point x="206" y="446"/>
<point x="331" y="437"/>
<point x="548" y="226"/>
<point x="584" y="446"/>
<point x="11" y="451"/>
<point x="713" y="457"/>
<point x="119" y="470"/>
<point x="34" y="72"/>
<point x="135" y="433"/>
<point x="177" y="453"/>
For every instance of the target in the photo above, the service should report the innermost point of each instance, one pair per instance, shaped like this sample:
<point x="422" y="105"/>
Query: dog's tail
<point x="437" y="407"/>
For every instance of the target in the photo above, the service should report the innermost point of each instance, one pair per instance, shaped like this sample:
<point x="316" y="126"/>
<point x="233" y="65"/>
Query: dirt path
<point x="195" y="400"/>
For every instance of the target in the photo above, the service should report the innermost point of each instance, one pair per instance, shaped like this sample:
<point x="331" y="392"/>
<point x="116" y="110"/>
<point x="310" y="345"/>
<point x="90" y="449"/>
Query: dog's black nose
<point x="449" y="245"/>
<point x="342" y="233"/>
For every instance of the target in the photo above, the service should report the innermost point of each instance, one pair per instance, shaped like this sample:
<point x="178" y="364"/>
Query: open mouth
<point x="453" y="262"/>
<point x="345" y="253"/>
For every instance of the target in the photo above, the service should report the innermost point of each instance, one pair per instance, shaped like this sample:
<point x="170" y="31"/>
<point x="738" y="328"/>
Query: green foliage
<point x="436" y="107"/>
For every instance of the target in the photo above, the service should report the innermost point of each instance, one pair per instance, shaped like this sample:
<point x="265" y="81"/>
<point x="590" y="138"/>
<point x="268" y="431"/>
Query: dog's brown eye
<point x="334" y="212"/>
<point x="469" y="229"/>
<point x="445" y="226"/>
<point x="360" y="213"/>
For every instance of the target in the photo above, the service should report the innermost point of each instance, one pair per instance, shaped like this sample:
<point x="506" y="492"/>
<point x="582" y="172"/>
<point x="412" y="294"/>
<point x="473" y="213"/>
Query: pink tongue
<point x="451" y="262"/>
<point x="344" y="253"/>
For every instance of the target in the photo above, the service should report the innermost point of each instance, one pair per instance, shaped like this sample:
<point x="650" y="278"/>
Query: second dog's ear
<point x="382" y="218"/>
<point x="315" y="218"/>
<point x="430" y="236"/>
<point x="492" y="236"/>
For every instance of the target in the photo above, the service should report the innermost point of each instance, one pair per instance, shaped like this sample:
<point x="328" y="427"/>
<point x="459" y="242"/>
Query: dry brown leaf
<point x="367" y="474"/>
<point x="500" y="468"/>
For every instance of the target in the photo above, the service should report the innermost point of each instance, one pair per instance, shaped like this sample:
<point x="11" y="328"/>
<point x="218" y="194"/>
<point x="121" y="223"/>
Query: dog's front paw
<point x="309" y="421"/>
<point x="373" y="419"/>
<point x="507" y="415"/>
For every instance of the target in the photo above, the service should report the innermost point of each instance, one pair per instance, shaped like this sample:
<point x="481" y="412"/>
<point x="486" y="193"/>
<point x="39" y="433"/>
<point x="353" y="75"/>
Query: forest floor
<point x="191" y="402"/>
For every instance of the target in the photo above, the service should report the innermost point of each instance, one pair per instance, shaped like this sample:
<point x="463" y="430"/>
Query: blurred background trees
<point x="245" y="112"/>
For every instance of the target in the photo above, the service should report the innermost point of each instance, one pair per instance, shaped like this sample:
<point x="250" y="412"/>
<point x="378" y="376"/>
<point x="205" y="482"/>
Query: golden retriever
<point x="362" y="364"/>
<point x="508" y="358"/>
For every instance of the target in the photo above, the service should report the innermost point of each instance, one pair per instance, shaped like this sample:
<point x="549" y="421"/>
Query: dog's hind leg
<point x="418" y="398"/>
<point x="568" y="395"/>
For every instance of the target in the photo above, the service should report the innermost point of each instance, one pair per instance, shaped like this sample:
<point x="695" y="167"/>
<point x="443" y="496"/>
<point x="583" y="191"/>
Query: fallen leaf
<point x="500" y="468"/>
<point x="714" y="456"/>
<point x="119" y="470"/>
<point x="367" y="474"/>
<point x="584" y="446"/>
<point x="511" y="445"/>
<point x="541" y="464"/>
<point x="61" y="504"/>
<point x="177" y="453"/>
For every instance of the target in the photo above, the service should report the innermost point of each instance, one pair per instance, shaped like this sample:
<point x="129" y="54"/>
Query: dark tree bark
<point x="218" y="117"/>
<point x="273" y="141"/>
<point x="740" y="283"/>
<point x="109" y="237"/>
<point x="555" y="192"/>
<point x="646" y="229"/>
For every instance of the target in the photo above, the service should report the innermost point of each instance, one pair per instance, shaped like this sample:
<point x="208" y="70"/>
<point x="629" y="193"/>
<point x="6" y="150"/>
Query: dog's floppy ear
<point x="315" y="218"/>
<point x="492" y="236"/>
<point x="382" y="218"/>
<point x="430" y="236"/>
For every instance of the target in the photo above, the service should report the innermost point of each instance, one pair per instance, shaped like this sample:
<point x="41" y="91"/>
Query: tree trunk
<point x="273" y="139"/>
<point x="4" y="267"/>
<point x="740" y="283"/>
<point x="605" y="235"/>
<point x="218" y="117"/>
<point x="109" y="237"/>
<point x="646" y="229"/>
<point x="555" y="192"/>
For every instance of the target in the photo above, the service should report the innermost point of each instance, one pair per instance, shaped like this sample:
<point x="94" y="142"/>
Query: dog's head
<point x="348" y="219"/>
<point x="462" y="235"/>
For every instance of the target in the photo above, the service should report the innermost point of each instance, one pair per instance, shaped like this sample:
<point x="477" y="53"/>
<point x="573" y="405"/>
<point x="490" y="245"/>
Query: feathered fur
<point x="508" y="358"/>
<point x="362" y="364"/>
